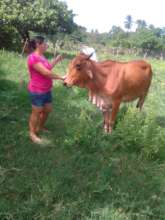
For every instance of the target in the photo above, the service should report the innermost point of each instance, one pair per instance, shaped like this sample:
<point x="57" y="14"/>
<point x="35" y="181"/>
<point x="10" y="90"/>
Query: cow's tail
<point x="141" y="100"/>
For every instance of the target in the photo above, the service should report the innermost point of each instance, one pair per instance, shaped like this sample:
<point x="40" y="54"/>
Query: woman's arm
<point x="56" y="60"/>
<point x="46" y="72"/>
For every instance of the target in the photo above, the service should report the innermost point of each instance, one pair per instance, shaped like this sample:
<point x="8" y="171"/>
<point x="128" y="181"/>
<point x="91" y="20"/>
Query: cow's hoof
<point x="107" y="130"/>
<point x="110" y="130"/>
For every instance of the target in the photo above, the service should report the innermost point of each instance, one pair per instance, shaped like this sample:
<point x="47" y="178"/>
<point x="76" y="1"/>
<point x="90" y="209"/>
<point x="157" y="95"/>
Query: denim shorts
<point x="40" y="99"/>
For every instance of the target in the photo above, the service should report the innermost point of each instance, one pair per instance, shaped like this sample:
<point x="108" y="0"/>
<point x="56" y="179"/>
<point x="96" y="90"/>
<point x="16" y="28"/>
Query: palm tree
<point x="128" y="22"/>
<point x="141" y="24"/>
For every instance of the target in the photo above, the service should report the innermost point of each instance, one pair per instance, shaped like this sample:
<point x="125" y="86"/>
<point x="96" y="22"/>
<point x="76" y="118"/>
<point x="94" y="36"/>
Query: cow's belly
<point x="128" y="98"/>
<point x="132" y="95"/>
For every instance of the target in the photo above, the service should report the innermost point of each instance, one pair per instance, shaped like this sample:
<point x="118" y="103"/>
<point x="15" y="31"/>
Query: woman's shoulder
<point x="33" y="55"/>
<point x="33" y="58"/>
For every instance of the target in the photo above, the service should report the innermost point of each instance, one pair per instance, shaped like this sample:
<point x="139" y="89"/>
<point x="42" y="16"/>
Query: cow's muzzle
<point x="67" y="85"/>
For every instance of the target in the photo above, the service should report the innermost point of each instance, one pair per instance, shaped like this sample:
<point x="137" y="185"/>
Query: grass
<point x="80" y="173"/>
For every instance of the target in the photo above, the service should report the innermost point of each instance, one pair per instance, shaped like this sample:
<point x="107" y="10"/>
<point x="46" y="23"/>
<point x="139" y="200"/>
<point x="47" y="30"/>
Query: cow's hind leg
<point x="141" y="101"/>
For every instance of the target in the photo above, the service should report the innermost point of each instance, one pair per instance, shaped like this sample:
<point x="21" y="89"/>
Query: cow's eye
<point x="78" y="66"/>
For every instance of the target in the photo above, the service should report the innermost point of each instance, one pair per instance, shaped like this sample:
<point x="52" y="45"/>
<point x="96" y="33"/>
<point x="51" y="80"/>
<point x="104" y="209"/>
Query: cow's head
<point x="79" y="71"/>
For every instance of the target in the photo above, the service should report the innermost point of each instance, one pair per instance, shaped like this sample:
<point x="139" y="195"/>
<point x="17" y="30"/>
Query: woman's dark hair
<point x="33" y="43"/>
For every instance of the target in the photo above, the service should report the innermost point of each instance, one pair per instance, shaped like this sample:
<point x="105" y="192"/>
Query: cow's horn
<point x="89" y="56"/>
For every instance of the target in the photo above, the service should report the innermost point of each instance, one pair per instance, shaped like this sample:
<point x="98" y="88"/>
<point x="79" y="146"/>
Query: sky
<point x="103" y="14"/>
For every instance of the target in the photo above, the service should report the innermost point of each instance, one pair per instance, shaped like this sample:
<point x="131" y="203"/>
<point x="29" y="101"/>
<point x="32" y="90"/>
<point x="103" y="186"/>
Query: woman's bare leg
<point x="43" y="116"/>
<point x="34" y="123"/>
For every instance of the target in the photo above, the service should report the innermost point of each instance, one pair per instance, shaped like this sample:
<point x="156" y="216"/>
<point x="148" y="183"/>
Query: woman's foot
<point x="42" y="129"/>
<point x="35" y="138"/>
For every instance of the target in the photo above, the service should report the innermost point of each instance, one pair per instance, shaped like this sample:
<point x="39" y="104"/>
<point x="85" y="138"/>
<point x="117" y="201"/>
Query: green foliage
<point x="38" y="16"/>
<point x="146" y="39"/>
<point x="118" y="38"/>
<point x="9" y="38"/>
<point x="138" y="132"/>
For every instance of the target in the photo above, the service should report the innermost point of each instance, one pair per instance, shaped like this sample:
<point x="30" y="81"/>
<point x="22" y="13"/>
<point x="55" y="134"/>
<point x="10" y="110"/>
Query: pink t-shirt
<point x="38" y="83"/>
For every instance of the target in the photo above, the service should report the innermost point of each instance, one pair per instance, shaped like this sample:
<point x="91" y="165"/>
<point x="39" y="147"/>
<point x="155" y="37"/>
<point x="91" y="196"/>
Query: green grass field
<point x="80" y="173"/>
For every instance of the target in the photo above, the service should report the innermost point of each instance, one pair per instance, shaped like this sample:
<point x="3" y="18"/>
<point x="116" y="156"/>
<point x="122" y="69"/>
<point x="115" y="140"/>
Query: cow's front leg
<point x="115" y="108"/>
<point x="106" y="115"/>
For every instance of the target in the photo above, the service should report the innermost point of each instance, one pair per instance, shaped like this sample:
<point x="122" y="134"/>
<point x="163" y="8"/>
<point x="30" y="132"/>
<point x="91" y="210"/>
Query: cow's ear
<point x="78" y="66"/>
<point x="90" y="74"/>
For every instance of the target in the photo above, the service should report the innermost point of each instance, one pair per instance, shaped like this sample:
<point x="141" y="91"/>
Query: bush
<point x="134" y="132"/>
<point x="9" y="38"/>
<point x="138" y="132"/>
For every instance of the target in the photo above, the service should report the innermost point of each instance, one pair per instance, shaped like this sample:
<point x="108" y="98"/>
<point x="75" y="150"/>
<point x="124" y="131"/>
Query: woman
<point x="40" y="85"/>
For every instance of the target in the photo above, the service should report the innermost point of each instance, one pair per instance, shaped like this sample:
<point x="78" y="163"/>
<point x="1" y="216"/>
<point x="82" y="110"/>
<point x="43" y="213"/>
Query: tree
<point x="119" y="37"/>
<point x="157" y="31"/>
<point x="146" y="40"/>
<point x="37" y="15"/>
<point x="128" y="22"/>
<point x="141" y="24"/>
<point x="9" y="38"/>
<point x="115" y="30"/>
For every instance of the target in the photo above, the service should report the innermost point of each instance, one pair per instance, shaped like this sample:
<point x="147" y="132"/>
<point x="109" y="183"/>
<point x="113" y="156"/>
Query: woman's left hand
<point x="58" y="58"/>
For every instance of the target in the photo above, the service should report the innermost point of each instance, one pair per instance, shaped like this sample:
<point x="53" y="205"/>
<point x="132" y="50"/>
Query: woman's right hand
<point x="57" y="77"/>
<point x="63" y="77"/>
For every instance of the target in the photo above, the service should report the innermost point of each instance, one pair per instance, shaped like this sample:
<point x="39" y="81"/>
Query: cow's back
<point x="129" y="80"/>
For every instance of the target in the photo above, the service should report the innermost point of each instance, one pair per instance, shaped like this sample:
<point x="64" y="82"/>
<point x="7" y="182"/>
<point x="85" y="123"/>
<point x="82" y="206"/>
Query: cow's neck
<point x="99" y="78"/>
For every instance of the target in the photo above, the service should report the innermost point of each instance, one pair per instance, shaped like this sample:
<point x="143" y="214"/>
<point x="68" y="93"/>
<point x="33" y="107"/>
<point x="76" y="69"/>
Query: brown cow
<point x="110" y="82"/>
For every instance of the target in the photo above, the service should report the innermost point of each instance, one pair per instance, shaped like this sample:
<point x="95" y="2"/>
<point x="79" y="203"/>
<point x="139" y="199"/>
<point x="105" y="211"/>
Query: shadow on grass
<point x="7" y="85"/>
<point x="2" y="75"/>
<point x="14" y="103"/>
<point x="161" y="121"/>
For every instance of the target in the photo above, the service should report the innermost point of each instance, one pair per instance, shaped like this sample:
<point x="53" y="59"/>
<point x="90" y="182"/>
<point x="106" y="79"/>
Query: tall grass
<point x="80" y="172"/>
